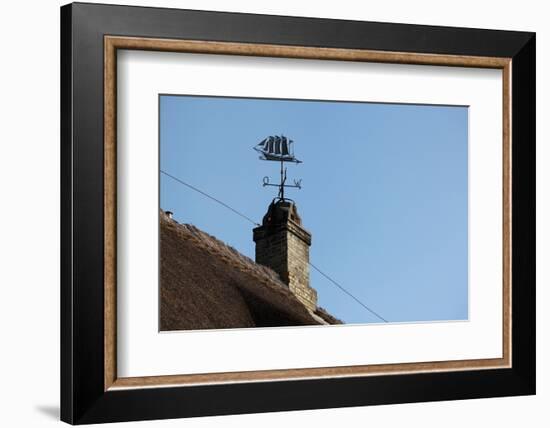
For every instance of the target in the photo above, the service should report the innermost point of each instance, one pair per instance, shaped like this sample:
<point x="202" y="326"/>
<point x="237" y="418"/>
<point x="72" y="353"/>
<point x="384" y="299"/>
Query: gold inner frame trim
<point x="113" y="43"/>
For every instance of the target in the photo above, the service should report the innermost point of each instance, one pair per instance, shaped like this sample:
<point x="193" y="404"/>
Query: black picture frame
<point x="83" y="398"/>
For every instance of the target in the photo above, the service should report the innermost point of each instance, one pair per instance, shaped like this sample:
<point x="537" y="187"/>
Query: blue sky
<point x="384" y="193"/>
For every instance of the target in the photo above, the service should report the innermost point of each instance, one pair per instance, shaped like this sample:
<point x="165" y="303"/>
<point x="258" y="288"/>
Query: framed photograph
<point x="320" y="213"/>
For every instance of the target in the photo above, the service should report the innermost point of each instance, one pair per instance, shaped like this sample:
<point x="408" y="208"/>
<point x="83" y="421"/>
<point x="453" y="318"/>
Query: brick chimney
<point x="283" y="245"/>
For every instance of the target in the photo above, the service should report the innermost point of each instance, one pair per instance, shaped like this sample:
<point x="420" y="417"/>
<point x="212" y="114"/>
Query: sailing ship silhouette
<point x="277" y="148"/>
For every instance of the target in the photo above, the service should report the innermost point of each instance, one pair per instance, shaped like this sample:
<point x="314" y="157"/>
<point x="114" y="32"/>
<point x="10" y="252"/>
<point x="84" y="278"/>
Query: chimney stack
<point x="283" y="245"/>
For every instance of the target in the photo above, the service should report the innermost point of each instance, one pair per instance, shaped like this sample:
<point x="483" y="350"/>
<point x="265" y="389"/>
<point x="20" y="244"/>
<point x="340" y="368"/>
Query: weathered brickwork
<point x="283" y="245"/>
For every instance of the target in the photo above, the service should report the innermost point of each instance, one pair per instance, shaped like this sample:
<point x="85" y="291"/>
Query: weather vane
<point x="278" y="149"/>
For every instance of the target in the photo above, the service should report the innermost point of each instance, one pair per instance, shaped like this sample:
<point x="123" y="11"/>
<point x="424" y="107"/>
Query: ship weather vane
<point x="278" y="149"/>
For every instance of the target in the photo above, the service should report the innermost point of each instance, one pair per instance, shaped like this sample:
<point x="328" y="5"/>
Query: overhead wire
<point x="210" y="197"/>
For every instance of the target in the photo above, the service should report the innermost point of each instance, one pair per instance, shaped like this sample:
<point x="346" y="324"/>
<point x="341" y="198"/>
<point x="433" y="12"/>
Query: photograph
<point x="299" y="212"/>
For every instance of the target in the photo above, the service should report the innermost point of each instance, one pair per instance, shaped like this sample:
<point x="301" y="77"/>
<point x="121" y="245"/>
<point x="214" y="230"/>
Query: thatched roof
<point x="206" y="284"/>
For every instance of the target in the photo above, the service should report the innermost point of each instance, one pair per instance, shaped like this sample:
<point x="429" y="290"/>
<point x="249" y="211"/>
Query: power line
<point x="347" y="292"/>
<point x="257" y="224"/>
<point x="210" y="197"/>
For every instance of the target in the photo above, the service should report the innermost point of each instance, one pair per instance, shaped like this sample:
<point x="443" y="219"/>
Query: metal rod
<point x="282" y="188"/>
